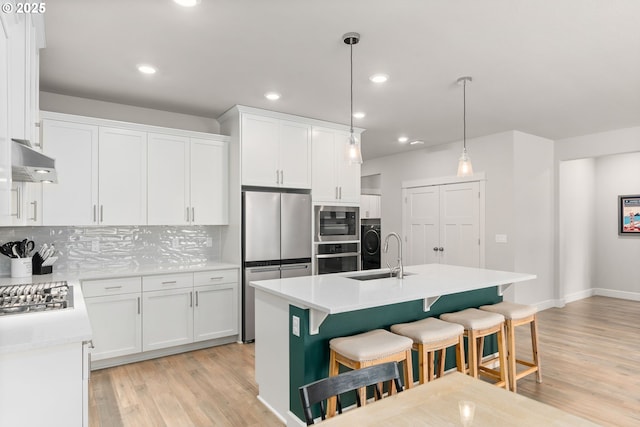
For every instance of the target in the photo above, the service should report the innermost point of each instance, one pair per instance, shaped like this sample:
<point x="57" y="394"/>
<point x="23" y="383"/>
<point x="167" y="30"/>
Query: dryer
<point x="370" y="245"/>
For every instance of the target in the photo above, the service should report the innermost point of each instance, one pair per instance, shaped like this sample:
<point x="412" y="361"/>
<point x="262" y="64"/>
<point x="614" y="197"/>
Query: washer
<point x="370" y="246"/>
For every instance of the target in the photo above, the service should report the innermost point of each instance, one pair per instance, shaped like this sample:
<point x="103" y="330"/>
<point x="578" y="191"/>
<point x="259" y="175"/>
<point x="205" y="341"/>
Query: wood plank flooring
<point x="590" y="353"/>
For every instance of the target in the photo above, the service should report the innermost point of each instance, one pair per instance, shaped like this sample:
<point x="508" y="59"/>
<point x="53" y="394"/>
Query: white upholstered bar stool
<point x="431" y="336"/>
<point x="477" y="325"/>
<point x="367" y="349"/>
<point x="517" y="315"/>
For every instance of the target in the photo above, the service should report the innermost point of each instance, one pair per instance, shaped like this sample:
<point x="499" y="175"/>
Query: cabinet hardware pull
<point x="169" y="283"/>
<point x="112" y="287"/>
<point x="35" y="210"/>
<point x="340" y="193"/>
<point x="336" y="193"/>
<point x="277" y="177"/>
<point x="19" y="202"/>
<point x="101" y="213"/>
<point x="216" y="278"/>
<point x="138" y="305"/>
<point x="187" y="213"/>
<point x="193" y="214"/>
<point x="441" y="249"/>
<point x="196" y="298"/>
<point x="94" y="213"/>
<point x="281" y="176"/>
<point x="191" y="297"/>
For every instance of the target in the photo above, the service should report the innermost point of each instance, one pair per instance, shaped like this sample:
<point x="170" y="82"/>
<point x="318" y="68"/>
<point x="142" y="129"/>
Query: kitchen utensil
<point x="6" y="249"/>
<point x="28" y="247"/>
<point x="15" y="250"/>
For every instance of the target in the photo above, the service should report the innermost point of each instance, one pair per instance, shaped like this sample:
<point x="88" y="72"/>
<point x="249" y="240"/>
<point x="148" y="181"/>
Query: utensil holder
<point x="38" y="269"/>
<point x="21" y="267"/>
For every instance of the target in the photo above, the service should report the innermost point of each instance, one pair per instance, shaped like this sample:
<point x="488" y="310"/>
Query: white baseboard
<point x="579" y="295"/>
<point x="612" y="293"/>
<point x="551" y="303"/>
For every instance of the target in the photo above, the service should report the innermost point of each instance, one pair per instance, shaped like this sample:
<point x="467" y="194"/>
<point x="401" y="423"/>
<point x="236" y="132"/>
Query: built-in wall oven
<point x="337" y="257"/>
<point x="336" y="223"/>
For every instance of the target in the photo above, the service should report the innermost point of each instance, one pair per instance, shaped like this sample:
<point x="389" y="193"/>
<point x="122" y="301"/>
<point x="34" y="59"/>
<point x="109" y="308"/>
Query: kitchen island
<point x="296" y="318"/>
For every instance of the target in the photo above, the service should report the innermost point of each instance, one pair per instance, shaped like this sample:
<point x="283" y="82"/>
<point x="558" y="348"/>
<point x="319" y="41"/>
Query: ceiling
<point x="546" y="67"/>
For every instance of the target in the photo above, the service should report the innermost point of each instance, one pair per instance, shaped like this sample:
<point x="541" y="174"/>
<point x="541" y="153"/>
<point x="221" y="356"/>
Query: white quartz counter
<point x="32" y="330"/>
<point x="337" y="293"/>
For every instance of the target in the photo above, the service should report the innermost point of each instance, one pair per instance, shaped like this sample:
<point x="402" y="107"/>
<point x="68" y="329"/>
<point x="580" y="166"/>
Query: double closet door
<point x="442" y="224"/>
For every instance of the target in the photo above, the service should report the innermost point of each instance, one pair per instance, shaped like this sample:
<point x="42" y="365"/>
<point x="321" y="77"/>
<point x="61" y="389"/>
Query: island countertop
<point x="341" y="293"/>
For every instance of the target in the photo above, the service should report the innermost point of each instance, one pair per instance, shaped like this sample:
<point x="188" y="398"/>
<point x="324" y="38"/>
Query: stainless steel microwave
<point x="336" y="223"/>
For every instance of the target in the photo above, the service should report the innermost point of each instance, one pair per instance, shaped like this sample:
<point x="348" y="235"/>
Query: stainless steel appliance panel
<point x="261" y="226"/>
<point x="337" y="258"/>
<point x="295" y="270"/>
<point x="371" y="246"/>
<point x="248" y="297"/>
<point x="295" y="238"/>
<point x="336" y="223"/>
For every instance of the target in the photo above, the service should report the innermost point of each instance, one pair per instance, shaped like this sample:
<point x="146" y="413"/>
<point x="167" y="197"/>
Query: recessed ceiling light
<point x="403" y="139"/>
<point x="272" y="96"/>
<point x="416" y="142"/>
<point x="187" y="3"/>
<point x="359" y="115"/>
<point x="146" y="69"/>
<point x="379" y="78"/>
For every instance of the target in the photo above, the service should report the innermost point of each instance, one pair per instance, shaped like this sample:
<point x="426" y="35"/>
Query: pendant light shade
<point x="354" y="154"/>
<point x="464" y="163"/>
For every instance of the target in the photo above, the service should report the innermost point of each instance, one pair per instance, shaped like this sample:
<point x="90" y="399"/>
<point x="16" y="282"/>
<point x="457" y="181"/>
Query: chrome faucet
<point x="398" y="268"/>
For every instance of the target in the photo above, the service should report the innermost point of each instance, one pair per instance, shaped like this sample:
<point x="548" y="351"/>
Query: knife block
<point x="37" y="266"/>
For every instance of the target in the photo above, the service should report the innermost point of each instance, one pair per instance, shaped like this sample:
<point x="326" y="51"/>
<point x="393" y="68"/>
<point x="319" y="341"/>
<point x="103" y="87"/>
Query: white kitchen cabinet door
<point x="324" y="178"/>
<point x="209" y="182"/>
<point x="116" y="323"/>
<point x="348" y="174"/>
<point x="74" y="199"/>
<point x="369" y="206"/>
<point x="260" y="152"/>
<point x="295" y="155"/>
<point x="5" y="138"/>
<point x="168" y="180"/>
<point x="26" y="203"/>
<point x="122" y="176"/>
<point x="216" y="311"/>
<point x="168" y="318"/>
<point x="18" y="74"/>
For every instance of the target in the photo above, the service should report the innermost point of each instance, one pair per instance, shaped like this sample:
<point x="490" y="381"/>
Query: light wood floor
<point x="590" y="353"/>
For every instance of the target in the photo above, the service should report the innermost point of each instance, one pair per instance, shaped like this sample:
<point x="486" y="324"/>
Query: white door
<point x="442" y="224"/>
<point x="74" y="199"/>
<point x="116" y="324"/>
<point x="324" y="180"/>
<point x="295" y="154"/>
<point x="123" y="176"/>
<point x="260" y="136"/>
<point x="421" y="224"/>
<point x="168" y="318"/>
<point x="460" y="224"/>
<point x="209" y="182"/>
<point x="216" y="311"/>
<point x="168" y="180"/>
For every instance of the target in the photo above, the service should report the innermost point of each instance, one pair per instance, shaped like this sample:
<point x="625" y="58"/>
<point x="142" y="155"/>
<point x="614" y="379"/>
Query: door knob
<point x="441" y="249"/>
<point x="435" y="249"/>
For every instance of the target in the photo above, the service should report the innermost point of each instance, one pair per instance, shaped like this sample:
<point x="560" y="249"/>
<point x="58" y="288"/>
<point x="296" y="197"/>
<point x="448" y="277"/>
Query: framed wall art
<point x="629" y="215"/>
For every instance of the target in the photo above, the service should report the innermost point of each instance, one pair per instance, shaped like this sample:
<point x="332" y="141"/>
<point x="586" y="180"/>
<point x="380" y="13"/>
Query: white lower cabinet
<point x="115" y="312"/>
<point x="137" y="314"/>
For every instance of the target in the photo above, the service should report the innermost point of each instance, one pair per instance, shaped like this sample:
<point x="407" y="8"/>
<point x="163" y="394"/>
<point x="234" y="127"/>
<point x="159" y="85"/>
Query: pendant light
<point x="354" y="155"/>
<point x="464" y="163"/>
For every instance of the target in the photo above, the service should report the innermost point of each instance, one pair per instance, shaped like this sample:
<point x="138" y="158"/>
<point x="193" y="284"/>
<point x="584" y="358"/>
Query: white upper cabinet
<point x="168" y="175"/>
<point x="74" y="199"/>
<point x="370" y="206"/>
<point x="209" y="176"/>
<point x="122" y="170"/>
<point x="109" y="175"/>
<point x="275" y="152"/>
<point x="335" y="180"/>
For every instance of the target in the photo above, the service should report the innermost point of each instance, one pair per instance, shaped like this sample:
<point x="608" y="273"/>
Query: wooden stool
<point x="517" y="315"/>
<point x="477" y="325"/>
<point x="431" y="336"/>
<point x="368" y="349"/>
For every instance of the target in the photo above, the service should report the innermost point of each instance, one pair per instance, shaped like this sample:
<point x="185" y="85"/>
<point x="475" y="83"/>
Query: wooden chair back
<point x="319" y="391"/>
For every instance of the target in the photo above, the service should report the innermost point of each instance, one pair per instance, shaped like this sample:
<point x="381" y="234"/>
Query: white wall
<point x="577" y="221"/>
<point x="617" y="257"/>
<point x="126" y="113"/>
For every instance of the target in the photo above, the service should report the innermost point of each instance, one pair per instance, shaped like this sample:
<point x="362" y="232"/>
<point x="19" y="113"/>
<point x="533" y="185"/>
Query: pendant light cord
<point x="464" y="115"/>
<point x="351" y="65"/>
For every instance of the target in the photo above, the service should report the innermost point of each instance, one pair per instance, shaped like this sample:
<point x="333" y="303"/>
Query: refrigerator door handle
<point x="341" y="255"/>
<point x="262" y="269"/>
<point x="294" y="267"/>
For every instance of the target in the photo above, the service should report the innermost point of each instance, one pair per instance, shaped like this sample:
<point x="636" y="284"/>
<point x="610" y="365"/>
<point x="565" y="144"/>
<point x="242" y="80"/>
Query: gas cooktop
<point x="15" y="299"/>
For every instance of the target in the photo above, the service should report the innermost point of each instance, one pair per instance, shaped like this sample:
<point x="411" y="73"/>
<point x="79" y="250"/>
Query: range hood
<point x="30" y="165"/>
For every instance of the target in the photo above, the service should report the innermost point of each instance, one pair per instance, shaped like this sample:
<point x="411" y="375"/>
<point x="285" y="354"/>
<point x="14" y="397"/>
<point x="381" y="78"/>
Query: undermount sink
<point x="378" y="275"/>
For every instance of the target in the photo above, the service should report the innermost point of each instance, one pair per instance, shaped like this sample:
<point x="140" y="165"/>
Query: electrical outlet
<point x="209" y="242"/>
<point x="95" y="245"/>
<point x="295" y="326"/>
<point x="501" y="238"/>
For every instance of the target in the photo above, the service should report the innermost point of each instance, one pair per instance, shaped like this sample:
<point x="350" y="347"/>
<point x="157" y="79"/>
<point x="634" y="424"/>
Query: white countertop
<point x="32" y="330"/>
<point x="144" y="270"/>
<point x="336" y="293"/>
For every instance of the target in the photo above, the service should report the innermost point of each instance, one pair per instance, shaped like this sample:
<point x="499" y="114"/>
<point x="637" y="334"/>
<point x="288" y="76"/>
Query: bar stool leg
<point x="408" y="370"/>
<point x="334" y="368"/>
<point x="504" y="371"/>
<point x="423" y="364"/>
<point x="473" y="354"/>
<point x="460" y="356"/>
<point x="431" y="365"/>
<point x="441" y="361"/>
<point x="534" y="345"/>
<point x="511" y="355"/>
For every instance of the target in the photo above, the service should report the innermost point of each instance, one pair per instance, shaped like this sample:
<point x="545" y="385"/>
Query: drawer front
<point x="215" y="277"/>
<point x="167" y="281"/>
<point x="104" y="287"/>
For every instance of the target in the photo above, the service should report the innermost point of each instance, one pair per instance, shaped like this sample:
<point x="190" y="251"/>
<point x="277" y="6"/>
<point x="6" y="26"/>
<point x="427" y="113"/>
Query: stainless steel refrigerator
<point x="276" y="242"/>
